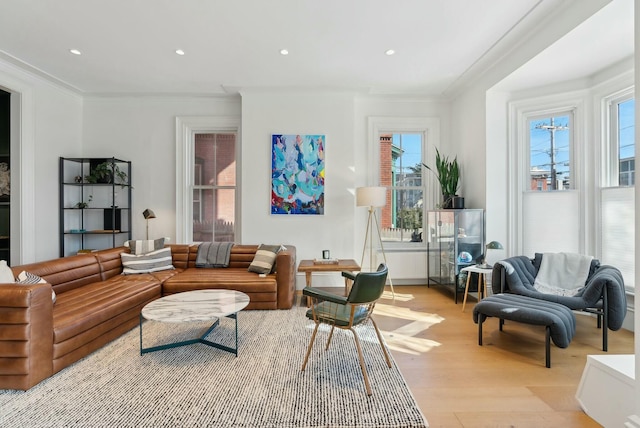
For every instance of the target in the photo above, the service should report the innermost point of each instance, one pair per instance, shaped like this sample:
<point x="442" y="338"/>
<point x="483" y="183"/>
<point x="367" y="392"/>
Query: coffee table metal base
<point x="202" y="339"/>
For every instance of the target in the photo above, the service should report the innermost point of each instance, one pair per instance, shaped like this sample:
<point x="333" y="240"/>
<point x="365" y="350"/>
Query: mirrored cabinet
<point x="455" y="240"/>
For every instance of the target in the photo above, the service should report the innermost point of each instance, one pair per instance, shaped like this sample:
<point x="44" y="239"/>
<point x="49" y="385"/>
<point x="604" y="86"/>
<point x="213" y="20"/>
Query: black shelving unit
<point x="95" y="212"/>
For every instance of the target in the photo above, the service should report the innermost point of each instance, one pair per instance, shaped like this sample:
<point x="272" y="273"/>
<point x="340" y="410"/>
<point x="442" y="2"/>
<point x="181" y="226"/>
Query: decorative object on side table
<point x="448" y="174"/>
<point x="493" y="245"/>
<point x="148" y="214"/>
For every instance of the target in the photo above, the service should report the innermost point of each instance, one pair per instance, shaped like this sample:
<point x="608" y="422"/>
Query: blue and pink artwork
<point x="297" y="174"/>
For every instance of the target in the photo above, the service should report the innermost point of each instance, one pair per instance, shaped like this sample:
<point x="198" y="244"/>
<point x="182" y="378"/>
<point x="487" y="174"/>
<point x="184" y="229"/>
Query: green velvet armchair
<point x="348" y="312"/>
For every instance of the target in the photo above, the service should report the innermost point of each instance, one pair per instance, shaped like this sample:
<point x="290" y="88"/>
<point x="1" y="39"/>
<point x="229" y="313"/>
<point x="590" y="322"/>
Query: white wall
<point x="331" y="114"/>
<point x="50" y="126"/>
<point x="142" y="130"/>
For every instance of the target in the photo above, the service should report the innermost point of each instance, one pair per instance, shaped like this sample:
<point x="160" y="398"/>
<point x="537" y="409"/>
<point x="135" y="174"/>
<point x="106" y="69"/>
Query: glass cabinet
<point x="455" y="239"/>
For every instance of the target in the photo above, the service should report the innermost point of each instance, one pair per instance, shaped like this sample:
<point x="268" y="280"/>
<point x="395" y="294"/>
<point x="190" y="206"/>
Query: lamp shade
<point x="494" y="245"/>
<point x="373" y="196"/>
<point x="148" y="214"/>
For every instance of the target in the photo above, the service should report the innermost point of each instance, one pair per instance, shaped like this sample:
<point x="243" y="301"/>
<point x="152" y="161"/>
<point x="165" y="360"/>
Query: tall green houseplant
<point x="448" y="174"/>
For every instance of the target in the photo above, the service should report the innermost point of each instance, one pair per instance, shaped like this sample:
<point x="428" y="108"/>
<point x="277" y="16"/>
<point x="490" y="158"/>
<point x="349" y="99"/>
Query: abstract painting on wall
<point x="297" y="174"/>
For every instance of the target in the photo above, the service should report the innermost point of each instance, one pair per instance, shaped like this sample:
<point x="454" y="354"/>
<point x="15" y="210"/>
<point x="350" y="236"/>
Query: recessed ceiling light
<point x="284" y="52"/>
<point x="179" y="51"/>
<point x="75" y="51"/>
<point x="389" y="52"/>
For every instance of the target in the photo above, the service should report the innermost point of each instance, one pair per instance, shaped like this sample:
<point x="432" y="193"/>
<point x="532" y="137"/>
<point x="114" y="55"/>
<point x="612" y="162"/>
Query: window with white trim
<point x="214" y="187"/>
<point x="617" y="193"/>
<point x="207" y="178"/>
<point x="398" y="146"/>
<point x="550" y="152"/>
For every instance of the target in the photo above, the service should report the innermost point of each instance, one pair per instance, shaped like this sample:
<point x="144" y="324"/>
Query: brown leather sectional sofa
<point x="96" y="304"/>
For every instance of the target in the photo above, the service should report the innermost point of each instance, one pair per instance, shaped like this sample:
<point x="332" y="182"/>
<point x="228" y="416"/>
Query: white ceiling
<point x="128" y="46"/>
<point x="602" y="40"/>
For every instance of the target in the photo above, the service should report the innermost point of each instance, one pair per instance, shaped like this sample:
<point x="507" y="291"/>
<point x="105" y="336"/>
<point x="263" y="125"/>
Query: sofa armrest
<point x="26" y="335"/>
<point x="286" y="276"/>
<point x="607" y="279"/>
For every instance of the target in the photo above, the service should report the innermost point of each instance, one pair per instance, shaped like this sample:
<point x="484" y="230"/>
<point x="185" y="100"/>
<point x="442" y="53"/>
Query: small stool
<point x="559" y="320"/>
<point x="482" y="281"/>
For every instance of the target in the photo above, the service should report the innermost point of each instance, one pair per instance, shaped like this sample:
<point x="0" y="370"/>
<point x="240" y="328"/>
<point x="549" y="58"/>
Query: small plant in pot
<point x="448" y="174"/>
<point x="105" y="173"/>
<point x="84" y="204"/>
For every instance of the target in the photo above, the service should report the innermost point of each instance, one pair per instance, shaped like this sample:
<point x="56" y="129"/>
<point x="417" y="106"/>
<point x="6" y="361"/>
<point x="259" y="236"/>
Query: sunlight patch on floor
<point x="398" y="297"/>
<point x="408" y="344"/>
<point x="406" y="313"/>
<point x="403" y="339"/>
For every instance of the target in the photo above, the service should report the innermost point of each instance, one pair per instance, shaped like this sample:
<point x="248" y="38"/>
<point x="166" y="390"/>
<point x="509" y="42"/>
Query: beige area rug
<point x="200" y="386"/>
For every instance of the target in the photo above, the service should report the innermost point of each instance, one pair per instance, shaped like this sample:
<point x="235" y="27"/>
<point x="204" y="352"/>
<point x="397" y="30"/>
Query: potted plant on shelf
<point x="105" y="173"/>
<point x="83" y="204"/>
<point x="448" y="174"/>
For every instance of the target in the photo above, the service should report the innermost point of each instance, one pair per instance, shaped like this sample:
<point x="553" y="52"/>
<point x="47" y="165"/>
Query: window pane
<point x="216" y="155"/>
<point x="214" y="179"/>
<point x="401" y="173"/>
<point x="404" y="220"/>
<point x="626" y="142"/>
<point x="549" y="143"/>
<point x="213" y="215"/>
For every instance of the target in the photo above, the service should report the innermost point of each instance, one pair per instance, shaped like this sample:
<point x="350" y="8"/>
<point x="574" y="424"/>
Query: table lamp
<point x="493" y="245"/>
<point x="148" y="214"/>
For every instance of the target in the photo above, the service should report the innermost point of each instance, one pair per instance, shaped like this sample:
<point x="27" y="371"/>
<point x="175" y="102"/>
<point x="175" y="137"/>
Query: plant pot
<point x="452" y="202"/>
<point x="447" y="202"/>
<point x="457" y="202"/>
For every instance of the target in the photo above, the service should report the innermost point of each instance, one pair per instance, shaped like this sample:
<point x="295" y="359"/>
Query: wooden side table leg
<point x="308" y="278"/>
<point x="308" y="281"/>
<point x="466" y="291"/>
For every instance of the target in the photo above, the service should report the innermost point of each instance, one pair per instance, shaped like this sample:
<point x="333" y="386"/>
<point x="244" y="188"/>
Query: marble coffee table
<point x="198" y="305"/>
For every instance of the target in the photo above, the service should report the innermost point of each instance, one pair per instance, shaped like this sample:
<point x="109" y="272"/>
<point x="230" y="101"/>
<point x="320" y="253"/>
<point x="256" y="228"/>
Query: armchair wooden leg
<point x="362" y="366"/>
<point x="384" y="350"/>
<point x="313" y="337"/>
<point x="329" y="339"/>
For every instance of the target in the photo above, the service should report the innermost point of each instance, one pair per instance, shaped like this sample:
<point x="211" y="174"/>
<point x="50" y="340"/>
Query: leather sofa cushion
<point x="226" y="278"/>
<point x="83" y="308"/>
<point x="66" y="273"/>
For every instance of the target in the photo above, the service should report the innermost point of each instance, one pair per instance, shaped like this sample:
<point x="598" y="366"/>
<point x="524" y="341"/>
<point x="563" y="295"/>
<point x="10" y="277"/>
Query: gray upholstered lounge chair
<point x="603" y="293"/>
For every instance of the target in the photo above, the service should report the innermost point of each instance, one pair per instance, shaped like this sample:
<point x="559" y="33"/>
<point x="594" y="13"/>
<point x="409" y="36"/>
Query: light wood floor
<point x="503" y="383"/>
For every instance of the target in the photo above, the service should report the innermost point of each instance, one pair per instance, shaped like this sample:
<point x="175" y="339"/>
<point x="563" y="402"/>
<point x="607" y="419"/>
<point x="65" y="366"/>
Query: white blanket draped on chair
<point x="562" y="274"/>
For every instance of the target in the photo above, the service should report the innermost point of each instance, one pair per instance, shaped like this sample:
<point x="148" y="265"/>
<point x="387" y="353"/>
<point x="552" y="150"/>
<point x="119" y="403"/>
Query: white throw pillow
<point x="6" y="274"/>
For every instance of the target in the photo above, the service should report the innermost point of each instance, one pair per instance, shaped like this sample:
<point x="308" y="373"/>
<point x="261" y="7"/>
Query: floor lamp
<point x="372" y="197"/>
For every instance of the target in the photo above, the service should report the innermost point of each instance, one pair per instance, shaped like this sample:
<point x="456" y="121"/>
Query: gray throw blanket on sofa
<point x="213" y="254"/>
